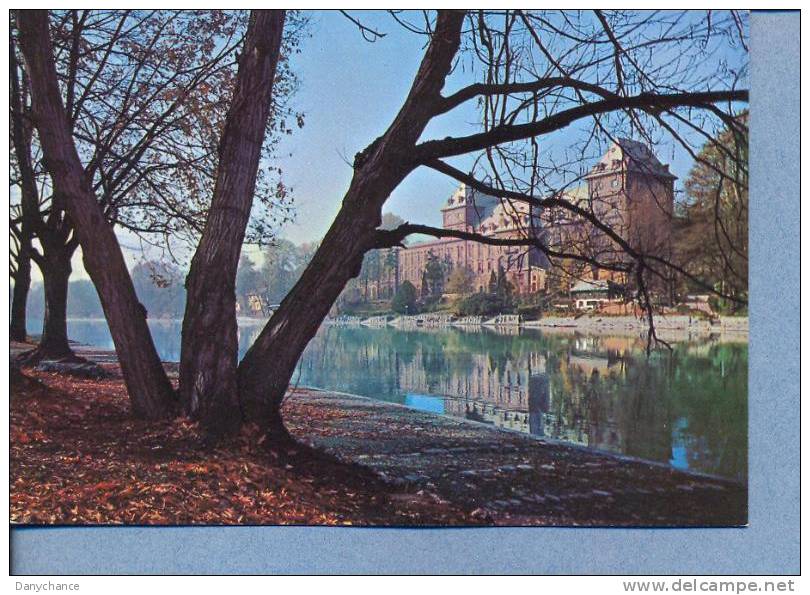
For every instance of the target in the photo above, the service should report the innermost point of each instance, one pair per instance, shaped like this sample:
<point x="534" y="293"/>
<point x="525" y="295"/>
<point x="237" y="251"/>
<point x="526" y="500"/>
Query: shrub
<point x="530" y="311"/>
<point x="404" y="301"/>
<point x="483" y="304"/>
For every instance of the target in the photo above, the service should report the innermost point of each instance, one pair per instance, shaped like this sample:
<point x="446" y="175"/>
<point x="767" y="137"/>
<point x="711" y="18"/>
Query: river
<point x="686" y="407"/>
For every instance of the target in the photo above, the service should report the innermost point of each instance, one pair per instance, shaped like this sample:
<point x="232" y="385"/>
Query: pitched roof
<point x="632" y="155"/>
<point x="464" y="195"/>
<point x="595" y="285"/>
<point x="577" y="195"/>
<point x="508" y="215"/>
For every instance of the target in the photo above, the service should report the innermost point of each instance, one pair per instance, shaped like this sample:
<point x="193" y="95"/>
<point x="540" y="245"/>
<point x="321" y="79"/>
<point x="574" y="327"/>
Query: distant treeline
<point x="159" y="286"/>
<point x="272" y="277"/>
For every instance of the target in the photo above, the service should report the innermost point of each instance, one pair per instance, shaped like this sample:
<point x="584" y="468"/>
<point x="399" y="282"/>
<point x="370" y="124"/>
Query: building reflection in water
<point x="686" y="408"/>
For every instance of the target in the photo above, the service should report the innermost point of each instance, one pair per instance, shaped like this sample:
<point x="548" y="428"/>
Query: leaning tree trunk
<point x="209" y="351"/>
<point x="18" y="330"/>
<point x="268" y="366"/>
<point x="150" y="392"/>
<point x="56" y="271"/>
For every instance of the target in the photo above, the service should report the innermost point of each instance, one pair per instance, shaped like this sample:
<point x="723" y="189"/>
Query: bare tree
<point x="146" y="94"/>
<point x="150" y="393"/>
<point x="543" y="73"/>
<point x="23" y="215"/>
<point x="20" y="273"/>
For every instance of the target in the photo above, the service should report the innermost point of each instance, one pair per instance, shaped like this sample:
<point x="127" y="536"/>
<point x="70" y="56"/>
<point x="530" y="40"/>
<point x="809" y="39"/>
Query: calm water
<point x="687" y="407"/>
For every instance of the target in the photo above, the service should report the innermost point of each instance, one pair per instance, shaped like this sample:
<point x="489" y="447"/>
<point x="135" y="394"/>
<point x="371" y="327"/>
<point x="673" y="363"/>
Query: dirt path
<point x="508" y="478"/>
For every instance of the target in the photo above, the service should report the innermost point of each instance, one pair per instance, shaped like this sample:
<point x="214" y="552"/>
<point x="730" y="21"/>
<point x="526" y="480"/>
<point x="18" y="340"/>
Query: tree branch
<point x="553" y="201"/>
<point x="451" y="146"/>
<point x="390" y="238"/>
<point x="476" y="89"/>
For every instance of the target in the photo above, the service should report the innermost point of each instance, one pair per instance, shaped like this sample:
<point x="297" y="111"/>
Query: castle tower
<point x="466" y="208"/>
<point x="633" y="192"/>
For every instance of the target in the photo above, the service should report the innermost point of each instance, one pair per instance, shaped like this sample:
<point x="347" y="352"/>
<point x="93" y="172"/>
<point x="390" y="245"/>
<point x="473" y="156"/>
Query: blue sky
<point x="350" y="90"/>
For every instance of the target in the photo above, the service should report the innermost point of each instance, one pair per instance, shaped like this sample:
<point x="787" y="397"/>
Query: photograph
<point x="453" y="268"/>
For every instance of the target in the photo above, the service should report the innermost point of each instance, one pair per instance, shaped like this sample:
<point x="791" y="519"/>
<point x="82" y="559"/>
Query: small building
<point x="256" y="305"/>
<point x="589" y="295"/>
<point x="699" y="302"/>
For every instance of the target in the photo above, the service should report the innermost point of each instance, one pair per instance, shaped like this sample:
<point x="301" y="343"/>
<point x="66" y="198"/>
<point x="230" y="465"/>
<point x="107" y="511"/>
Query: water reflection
<point x="687" y="407"/>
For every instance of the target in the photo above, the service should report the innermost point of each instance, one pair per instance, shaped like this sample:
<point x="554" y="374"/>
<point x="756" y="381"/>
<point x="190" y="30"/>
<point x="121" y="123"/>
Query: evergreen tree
<point x="404" y="301"/>
<point x="493" y="283"/>
<point x="425" y="289"/>
<point x="434" y="274"/>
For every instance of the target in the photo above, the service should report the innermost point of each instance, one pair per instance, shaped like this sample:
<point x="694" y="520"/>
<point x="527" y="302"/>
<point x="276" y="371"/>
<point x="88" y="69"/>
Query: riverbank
<point x="78" y="457"/>
<point x="722" y="324"/>
<point x="675" y="326"/>
<point x="507" y="478"/>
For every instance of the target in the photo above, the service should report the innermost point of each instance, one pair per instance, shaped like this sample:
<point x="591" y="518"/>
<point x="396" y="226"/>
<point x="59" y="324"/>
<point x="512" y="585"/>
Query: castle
<point x="628" y="189"/>
<point x="468" y="210"/>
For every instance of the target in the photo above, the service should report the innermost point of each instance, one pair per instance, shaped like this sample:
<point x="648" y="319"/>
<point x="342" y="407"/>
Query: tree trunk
<point x="56" y="271"/>
<point x="149" y="389"/>
<point x="21" y="133"/>
<point x="266" y="369"/>
<point x="18" y="330"/>
<point x="209" y="351"/>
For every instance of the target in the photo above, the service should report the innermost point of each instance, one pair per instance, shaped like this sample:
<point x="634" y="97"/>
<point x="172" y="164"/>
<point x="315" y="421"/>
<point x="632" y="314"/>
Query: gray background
<point x="770" y="545"/>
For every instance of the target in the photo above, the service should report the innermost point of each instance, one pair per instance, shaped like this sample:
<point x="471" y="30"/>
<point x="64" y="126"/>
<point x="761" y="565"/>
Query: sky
<point x="350" y="90"/>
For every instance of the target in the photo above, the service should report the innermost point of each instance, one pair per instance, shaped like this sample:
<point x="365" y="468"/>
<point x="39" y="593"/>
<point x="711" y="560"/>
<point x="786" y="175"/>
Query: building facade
<point x="471" y="211"/>
<point x="628" y="189"/>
